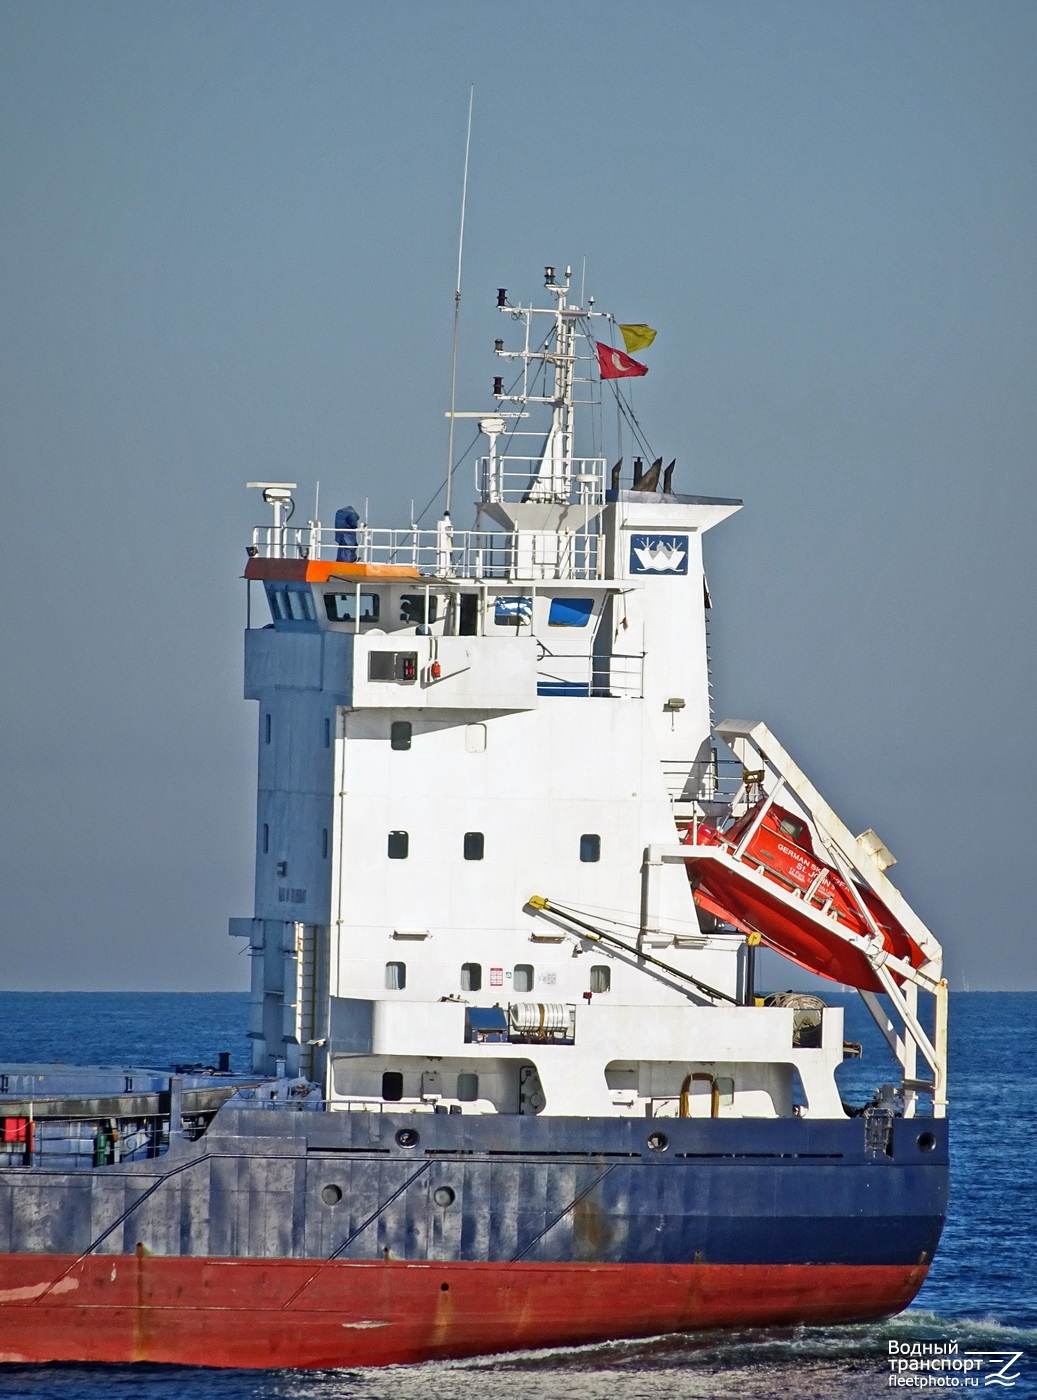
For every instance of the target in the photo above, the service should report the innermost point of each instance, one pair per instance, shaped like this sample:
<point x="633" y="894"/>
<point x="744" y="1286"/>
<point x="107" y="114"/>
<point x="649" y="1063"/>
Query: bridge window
<point x="290" y="604"/>
<point x="471" y="977"/>
<point x="512" y="612"/>
<point x="590" y="847"/>
<point x="412" y="608"/>
<point x="300" y="605"/>
<point x="474" y="845"/>
<point x="399" y="845"/>
<point x="341" y="607"/>
<point x="395" y="976"/>
<point x="570" y="612"/>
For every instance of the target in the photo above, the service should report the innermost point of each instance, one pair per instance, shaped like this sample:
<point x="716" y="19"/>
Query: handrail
<point x="439" y="553"/>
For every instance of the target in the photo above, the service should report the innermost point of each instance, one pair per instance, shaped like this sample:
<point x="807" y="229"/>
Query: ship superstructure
<point x="454" y="722"/>
<point x="510" y="883"/>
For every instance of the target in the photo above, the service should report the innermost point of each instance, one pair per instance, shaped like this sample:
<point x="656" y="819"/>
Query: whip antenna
<point x="457" y="305"/>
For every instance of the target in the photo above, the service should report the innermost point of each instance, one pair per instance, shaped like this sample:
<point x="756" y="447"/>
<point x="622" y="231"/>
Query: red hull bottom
<point x="280" y="1312"/>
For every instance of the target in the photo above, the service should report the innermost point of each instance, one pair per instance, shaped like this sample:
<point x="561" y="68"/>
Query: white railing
<point x="581" y="481"/>
<point x="581" y="674"/>
<point x="439" y="553"/>
<point x="690" y="780"/>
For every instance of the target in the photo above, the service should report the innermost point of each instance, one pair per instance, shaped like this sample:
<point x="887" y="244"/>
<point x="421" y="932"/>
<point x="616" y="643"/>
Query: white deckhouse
<point x="480" y="754"/>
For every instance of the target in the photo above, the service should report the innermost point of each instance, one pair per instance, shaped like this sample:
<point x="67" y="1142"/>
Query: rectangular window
<point x="601" y="978"/>
<point x="468" y="1087"/>
<point x="512" y="612"/>
<point x="570" y="612"/>
<point x="398" y="666"/>
<point x="399" y="845"/>
<point x="471" y="977"/>
<point x="267" y="728"/>
<point x="290" y="604"/>
<point x="395" y="976"/>
<point x="341" y="607"/>
<point x="400" y="734"/>
<point x="327" y="733"/>
<point x="266" y="839"/>
<point x="468" y="615"/>
<point x="299" y="605"/>
<point x="473" y="845"/>
<point x="412" y="608"/>
<point x="590" y="847"/>
<point x="392" y="1086"/>
<point x="522" y="981"/>
<point x="324" y="843"/>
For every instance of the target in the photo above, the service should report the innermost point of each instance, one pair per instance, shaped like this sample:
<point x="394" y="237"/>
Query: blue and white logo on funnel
<point x="658" y="554"/>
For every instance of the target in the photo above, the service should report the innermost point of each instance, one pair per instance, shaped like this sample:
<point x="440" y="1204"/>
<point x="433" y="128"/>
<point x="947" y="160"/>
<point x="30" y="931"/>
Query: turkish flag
<point x="614" y="364"/>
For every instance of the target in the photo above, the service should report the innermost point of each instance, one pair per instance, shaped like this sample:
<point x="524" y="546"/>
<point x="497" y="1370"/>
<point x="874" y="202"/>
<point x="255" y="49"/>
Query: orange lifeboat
<point x="776" y="886"/>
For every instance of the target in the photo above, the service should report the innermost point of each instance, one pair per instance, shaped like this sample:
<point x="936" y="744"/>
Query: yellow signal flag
<point x="637" y="337"/>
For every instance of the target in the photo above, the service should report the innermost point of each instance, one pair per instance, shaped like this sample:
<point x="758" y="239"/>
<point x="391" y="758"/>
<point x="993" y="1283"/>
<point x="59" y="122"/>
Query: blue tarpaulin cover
<point x="487" y="1018"/>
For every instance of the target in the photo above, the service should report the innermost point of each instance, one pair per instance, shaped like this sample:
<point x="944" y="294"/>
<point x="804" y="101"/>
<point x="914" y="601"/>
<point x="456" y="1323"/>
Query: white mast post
<point x="457" y="307"/>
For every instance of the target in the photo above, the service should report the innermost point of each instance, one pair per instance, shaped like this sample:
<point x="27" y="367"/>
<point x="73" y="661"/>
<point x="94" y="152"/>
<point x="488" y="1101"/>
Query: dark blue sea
<point x="981" y="1292"/>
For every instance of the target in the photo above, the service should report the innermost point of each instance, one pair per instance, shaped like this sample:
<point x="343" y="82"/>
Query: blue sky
<point x="229" y="236"/>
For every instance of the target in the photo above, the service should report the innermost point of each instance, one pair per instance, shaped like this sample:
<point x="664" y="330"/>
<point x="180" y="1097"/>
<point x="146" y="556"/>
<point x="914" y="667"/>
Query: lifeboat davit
<point x="778" y="887"/>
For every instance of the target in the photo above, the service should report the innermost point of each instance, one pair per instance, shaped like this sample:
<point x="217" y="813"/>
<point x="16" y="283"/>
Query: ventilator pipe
<point x="714" y="1094"/>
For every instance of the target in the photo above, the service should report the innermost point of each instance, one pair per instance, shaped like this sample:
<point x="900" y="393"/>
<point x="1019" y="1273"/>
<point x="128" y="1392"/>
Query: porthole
<point x="444" y="1288"/>
<point x="926" y="1141"/>
<point x="407" y="1137"/>
<point x="331" y="1195"/>
<point x="658" y="1142"/>
<point x="443" y="1196"/>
